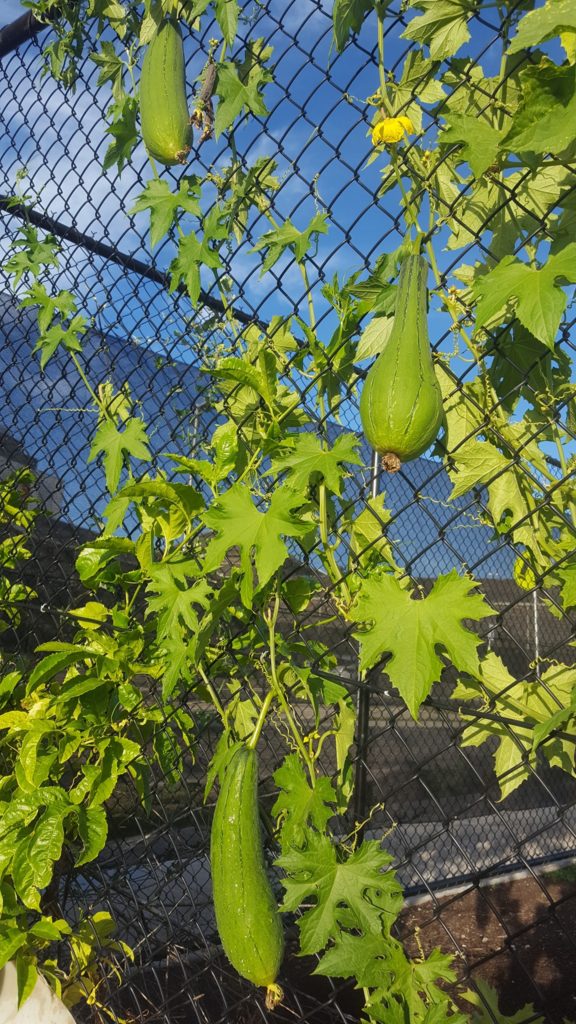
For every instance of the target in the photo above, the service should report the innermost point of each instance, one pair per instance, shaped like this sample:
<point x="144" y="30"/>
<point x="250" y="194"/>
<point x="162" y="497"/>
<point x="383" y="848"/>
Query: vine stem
<point x="251" y="744"/>
<point x="337" y="576"/>
<point x="563" y="467"/>
<point x="278" y="691"/>
<point x="381" y="65"/>
<point x="97" y="401"/>
<point x="454" y="317"/>
<point x="213" y="695"/>
<point x="410" y="216"/>
<point x="309" y="297"/>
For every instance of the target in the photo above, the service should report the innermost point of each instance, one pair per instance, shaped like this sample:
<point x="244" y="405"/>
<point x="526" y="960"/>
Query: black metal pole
<point x="363" y="703"/>
<point x="21" y="31"/>
<point x="71" y="234"/>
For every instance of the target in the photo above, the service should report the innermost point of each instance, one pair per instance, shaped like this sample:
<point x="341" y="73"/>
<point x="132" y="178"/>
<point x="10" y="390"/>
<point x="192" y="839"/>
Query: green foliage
<point x="164" y="205"/>
<point x="258" y="535"/>
<point x="308" y="460"/>
<point x="208" y="597"/>
<point x="413" y="630"/>
<point x="117" y="446"/>
<point x="348" y="17"/>
<point x="443" y="26"/>
<point x="18" y="510"/>
<point x="240" y="85"/>
<point x="487" y="1011"/>
<point x="350" y="891"/>
<point x="534" y="293"/>
<point x="277" y="241"/>
<point x="555" y="17"/>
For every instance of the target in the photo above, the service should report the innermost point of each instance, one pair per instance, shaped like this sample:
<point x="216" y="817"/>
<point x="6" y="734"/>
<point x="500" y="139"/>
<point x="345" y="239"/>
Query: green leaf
<point x="371" y="960"/>
<point x="239" y="86"/>
<point x="238" y="523"/>
<point x="348" y="17"/>
<point x="480" y="139"/>
<point x="35" y="765"/>
<point x="45" y="845"/>
<point x="23" y="876"/>
<point x="55" y="663"/>
<point x="298" y="591"/>
<point x="11" y="940"/>
<point x="193" y="254"/>
<point x="23" y="721"/>
<point x="298" y="805"/>
<point x="174" y="607"/>
<point x="249" y="189"/>
<point x="221" y="758"/>
<point x="419" y="79"/>
<point x="368" y="541"/>
<point x="353" y="892"/>
<point x="487" y="1009"/>
<point x="66" y="335"/>
<point x="537" y="704"/>
<point x="169" y="506"/>
<point x="168" y="754"/>
<point x="412" y="630"/>
<point x="92" y="825"/>
<point x="374" y="337"/>
<point x="563" y="719"/>
<point x="522" y="367"/>
<point x="227" y="18"/>
<point x="112" y="69"/>
<point x="111" y="10"/>
<point x="78" y="686"/>
<point x="308" y="460"/>
<point x="568" y="590"/>
<point x="443" y="26"/>
<point x="480" y="462"/>
<point x="509" y="764"/>
<point x="95" y="563"/>
<point x="47" y="930"/>
<point x="534" y="294"/>
<point x="117" y="446"/>
<point x="124" y="133"/>
<point x="287" y="236"/>
<point x="544" y="121"/>
<point x="32" y="255"/>
<point x="164" y="204"/>
<point x="555" y="17"/>
<point x="26" y="977"/>
<point x="243" y="372"/>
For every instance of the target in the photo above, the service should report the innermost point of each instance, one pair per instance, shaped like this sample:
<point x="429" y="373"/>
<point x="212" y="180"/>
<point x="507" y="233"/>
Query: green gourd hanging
<point x="247" y="915"/>
<point x="401" y="402"/>
<point x="166" y="127"/>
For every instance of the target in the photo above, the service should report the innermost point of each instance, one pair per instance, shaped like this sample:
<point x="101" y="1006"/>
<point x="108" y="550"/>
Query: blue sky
<point x="309" y="124"/>
<point x="10" y="9"/>
<point x="319" y="140"/>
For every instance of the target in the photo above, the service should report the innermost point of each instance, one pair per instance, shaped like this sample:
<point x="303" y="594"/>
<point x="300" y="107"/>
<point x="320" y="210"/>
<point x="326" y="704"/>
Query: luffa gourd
<point x="401" y="401"/>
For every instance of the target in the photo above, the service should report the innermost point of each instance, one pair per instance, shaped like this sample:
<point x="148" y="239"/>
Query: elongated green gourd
<point x="164" y="118"/>
<point x="247" y="913"/>
<point x="401" y="401"/>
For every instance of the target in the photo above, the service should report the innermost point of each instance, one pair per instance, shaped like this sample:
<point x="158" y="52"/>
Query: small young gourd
<point x="401" y="401"/>
<point x="164" y="118"/>
<point x="247" y="914"/>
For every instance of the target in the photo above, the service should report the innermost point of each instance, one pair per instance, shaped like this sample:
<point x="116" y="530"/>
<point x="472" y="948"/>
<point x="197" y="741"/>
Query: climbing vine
<point x="205" y="600"/>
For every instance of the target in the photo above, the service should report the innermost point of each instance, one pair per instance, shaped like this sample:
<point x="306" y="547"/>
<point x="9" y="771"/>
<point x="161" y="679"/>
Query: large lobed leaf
<point x="412" y="631"/>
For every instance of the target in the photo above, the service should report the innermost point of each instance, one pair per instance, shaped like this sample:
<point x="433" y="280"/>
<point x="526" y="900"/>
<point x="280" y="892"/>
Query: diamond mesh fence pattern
<point x="437" y="802"/>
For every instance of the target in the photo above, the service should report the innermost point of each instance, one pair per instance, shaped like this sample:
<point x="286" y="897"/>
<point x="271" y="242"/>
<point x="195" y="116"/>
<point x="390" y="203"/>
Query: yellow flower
<point x="391" y="129"/>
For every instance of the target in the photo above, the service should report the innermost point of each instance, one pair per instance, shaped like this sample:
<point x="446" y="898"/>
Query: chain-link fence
<point x="439" y="801"/>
